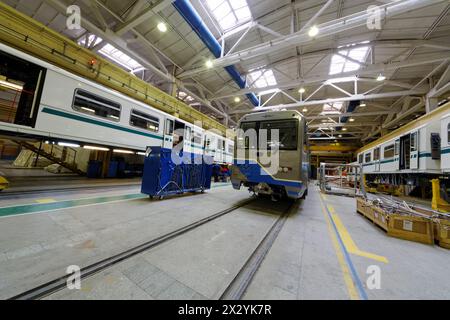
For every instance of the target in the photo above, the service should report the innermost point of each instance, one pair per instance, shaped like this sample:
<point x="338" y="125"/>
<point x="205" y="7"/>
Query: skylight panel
<point x="333" y="108"/>
<point x="262" y="78"/>
<point x="229" y="13"/>
<point x="114" y="54"/>
<point x="339" y="64"/>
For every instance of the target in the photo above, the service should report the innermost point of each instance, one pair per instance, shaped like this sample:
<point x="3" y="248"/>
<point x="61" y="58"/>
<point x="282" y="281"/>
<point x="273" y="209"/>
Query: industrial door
<point x="414" y="154"/>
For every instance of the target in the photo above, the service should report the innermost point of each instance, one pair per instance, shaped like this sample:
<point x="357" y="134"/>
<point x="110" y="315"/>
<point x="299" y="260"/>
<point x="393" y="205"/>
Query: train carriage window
<point x="360" y="158"/>
<point x="388" y="151"/>
<point x="287" y="131"/>
<point x="169" y="127"/>
<point x="144" y="121"/>
<point x="246" y="137"/>
<point x="197" y="138"/>
<point x="230" y="149"/>
<point x="94" y="105"/>
<point x="368" y="157"/>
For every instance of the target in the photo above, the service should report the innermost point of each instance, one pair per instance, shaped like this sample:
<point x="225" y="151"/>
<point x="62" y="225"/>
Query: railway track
<point x="57" y="284"/>
<point x="238" y="286"/>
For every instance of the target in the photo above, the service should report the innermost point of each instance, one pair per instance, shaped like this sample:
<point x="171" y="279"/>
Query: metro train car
<point x="41" y="101"/>
<point x="290" y="177"/>
<point x="411" y="155"/>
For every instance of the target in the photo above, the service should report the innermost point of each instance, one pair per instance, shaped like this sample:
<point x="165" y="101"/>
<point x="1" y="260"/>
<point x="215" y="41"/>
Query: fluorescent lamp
<point x="344" y="129"/>
<point x="140" y="153"/>
<point x="123" y="151"/>
<point x="313" y="31"/>
<point x="362" y="104"/>
<point x="66" y="144"/>
<point x="162" y="27"/>
<point x="88" y="109"/>
<point x="96" y="148"/>
<point x="351" y="119"/>
<point x="113" y="116"/>
<point x="381" y="77"/>
<point x="305" y="110"/>
<point x="11" y="85"/>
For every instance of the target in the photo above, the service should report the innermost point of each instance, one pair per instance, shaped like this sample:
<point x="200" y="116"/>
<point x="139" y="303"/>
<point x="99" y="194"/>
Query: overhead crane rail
<point x="28" y="35"/>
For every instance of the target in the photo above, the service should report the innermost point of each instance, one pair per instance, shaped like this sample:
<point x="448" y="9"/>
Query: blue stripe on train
<point x="254" y="173"/>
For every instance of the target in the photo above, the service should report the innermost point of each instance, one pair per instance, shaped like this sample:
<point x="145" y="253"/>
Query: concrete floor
<point x="307" y="261"/>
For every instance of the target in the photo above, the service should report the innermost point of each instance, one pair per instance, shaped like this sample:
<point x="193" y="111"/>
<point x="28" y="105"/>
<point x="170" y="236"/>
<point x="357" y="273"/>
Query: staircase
<point x="72" y="167"/>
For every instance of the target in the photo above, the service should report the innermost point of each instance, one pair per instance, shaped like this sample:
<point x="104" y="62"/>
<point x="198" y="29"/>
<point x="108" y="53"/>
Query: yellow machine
<point x="4" y="184"/>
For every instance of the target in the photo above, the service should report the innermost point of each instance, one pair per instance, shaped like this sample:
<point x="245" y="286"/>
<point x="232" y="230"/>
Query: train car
<point x="41" y="101"/>
<point x="411" y="155"/>
<point x="290" y="177"/>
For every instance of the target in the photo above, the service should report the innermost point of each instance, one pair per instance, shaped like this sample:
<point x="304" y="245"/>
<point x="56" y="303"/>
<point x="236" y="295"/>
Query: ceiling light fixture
<point x="313" y="31"/>
<point x="237" y="99"/>
<point x="381" y="77"/>
<point x="162" y="27"/>
<point x="301" y="90"/>
<point x="209" y="64"/>
<point x="305" y="110"/>
<point x="344" y="129"/>
<point x="351" y="119"/>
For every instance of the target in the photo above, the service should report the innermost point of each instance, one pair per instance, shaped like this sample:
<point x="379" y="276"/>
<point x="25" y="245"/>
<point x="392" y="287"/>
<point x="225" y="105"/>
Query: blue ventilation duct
<point x="351" y="107"/>
<point x="191" y="16"/>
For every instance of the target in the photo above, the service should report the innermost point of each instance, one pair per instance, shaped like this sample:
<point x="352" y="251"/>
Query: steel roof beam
<point x="371" y="69"/>
<point x="332" y="100"/>
<point x="326" y="29"/>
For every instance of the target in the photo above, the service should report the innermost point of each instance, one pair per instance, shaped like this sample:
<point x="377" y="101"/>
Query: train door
<point x="405" y="152"/>
<point x="414" y="153"/>
<point x="397" y="154"/>
<point x="168" y="134"/>
<point x="21" y="85"/>
<point x="376" y="158"/>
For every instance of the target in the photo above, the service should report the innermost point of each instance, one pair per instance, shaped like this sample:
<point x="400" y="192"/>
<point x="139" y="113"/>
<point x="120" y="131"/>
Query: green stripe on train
<point x="96" y="122"/>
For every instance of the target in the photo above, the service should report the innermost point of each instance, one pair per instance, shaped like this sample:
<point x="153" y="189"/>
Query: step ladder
<point x="72" y="167"/>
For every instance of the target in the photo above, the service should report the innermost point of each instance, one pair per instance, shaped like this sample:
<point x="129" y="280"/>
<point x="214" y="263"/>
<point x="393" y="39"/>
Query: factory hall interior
<point x="224" y="150"/>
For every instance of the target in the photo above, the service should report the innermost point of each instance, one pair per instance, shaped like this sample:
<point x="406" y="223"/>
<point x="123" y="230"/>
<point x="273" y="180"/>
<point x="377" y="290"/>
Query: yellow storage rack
<point x="28" y="35"/>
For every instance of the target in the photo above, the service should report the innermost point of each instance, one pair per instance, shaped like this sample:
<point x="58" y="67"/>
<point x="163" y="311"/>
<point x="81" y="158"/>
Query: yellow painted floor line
<point x="351" y="289"/>
<point x="350" y="245"/>
<point x="45" y="200"/>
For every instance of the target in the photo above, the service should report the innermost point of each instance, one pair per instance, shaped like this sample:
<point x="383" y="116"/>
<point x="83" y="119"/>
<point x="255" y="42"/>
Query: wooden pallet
<point x="412" y="228"/>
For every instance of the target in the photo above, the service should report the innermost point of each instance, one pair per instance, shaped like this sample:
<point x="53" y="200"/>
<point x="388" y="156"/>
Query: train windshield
<point x="253" y="131"/>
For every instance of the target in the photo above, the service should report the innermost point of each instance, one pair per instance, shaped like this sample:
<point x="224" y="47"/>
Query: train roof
<point x="435" y="114"/>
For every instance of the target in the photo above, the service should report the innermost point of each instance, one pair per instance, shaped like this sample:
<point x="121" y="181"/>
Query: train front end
<point x="271" y="155"/>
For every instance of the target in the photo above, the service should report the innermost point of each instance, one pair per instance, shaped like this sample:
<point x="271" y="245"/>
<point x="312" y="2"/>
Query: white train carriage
<point x="412" y="154"/>
<point x="281" y="172"/>
<point x="42" y="101"/>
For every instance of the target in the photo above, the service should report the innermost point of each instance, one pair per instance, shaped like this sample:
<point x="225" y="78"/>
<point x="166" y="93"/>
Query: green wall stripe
<point x="96" y="122"/>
